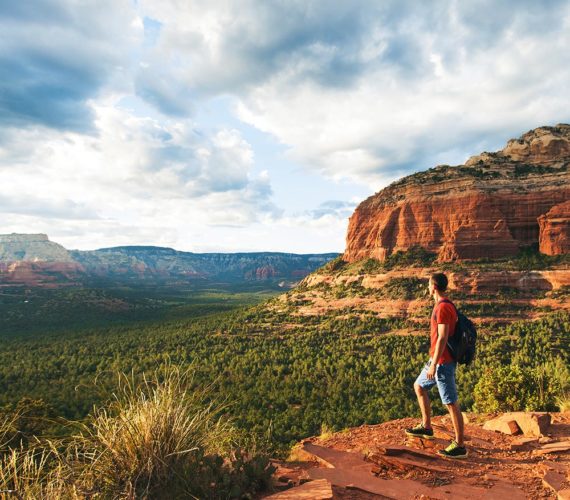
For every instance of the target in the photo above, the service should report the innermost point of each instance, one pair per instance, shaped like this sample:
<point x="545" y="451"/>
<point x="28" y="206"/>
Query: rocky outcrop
<point x="370" y="461"/>
<point x="554" y="237"/>
<point x="489" y="207"/>
<point x="470" y="280"/>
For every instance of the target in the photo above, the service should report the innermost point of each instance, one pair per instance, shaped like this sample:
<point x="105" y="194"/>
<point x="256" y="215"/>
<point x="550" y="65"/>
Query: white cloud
<point x="368" y="91"/>
<point x="387" y="124"/>
<point x="135" y="173"/>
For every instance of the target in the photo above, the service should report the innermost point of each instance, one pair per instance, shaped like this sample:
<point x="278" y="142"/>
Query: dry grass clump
<point x="157" y="438"/>
<point x="563" y="402"/>
<point x="34" y="473"/>
<point x="150" y="434"/>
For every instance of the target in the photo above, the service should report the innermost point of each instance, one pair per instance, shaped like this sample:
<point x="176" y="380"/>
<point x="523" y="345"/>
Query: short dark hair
<point x="440" y="281"/>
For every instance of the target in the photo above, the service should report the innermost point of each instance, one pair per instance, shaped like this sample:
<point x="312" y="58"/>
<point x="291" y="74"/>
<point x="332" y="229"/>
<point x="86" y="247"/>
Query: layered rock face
<point x="490" y="207"/>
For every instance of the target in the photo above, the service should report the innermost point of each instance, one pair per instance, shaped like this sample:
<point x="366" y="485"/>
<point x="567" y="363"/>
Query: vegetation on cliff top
<point x="528" y="259"/>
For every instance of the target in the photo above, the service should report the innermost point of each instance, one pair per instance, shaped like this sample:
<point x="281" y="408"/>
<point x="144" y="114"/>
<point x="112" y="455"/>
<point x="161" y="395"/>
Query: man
<point x="440" y="370"/>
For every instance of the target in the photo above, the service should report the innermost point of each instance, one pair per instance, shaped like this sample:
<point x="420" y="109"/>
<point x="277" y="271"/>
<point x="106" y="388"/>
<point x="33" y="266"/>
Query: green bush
<point x="405" y="288"/>
<point x="334" y="265"/>
<point x="415" y="256"/>
<point x="506" y="388"/>
<point x="372" y="266"/>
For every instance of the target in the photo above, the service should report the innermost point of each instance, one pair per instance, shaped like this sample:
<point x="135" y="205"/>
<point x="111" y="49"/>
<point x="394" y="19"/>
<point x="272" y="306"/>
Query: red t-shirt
<point x="443" y="313"/>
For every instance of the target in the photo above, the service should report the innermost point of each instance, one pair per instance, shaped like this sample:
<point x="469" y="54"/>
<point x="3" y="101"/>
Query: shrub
<point x="34" y="473"/>
<point x="415" y="256"/>
<point x="515" y="388"/>
<point x="334" y="265"/>
<point x="405" y="288"/>
<point x="371" y="266"/>
<point x="563" y="402"/>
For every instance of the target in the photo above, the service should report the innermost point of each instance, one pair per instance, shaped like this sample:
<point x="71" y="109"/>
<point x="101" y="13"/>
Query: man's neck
<point x="437" y="297"/>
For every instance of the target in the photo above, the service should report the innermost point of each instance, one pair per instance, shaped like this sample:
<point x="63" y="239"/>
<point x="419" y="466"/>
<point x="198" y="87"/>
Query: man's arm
<point x="442" y="333"/>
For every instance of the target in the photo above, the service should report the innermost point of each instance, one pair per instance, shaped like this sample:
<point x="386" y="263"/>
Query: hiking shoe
<point x="453" y="451"/>
<point x="420" y="431"/>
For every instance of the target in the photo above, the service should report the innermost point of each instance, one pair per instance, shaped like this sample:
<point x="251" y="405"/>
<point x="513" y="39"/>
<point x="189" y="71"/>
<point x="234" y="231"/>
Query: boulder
<point x="532" y="424"/>
<point x="524" y="444"/>
<point x="505" y="424"/>
<point x="554" y="480"/>
<point x="557" y="447"/>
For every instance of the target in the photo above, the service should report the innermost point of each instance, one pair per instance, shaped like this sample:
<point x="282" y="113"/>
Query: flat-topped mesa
<point x="490" y="207"/>
<point x="23" y="238"/>
<point x="31" y="248"/>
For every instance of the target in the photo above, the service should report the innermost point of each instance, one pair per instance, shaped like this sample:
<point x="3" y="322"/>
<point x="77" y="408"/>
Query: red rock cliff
<point x="489" y="207"/>
<point x="555" y="230"/>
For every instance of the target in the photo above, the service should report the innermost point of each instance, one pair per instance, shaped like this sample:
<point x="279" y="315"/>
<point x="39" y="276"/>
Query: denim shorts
<point x="445" y="380"/>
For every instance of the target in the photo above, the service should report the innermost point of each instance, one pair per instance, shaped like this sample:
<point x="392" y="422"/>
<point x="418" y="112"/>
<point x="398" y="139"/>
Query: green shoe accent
<point x="420" y="431"/>
<point x="454" y="451"/>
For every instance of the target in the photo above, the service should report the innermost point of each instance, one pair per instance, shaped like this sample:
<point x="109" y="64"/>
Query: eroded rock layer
<point x="490" y="207"/>
<point x="554" y="236"/>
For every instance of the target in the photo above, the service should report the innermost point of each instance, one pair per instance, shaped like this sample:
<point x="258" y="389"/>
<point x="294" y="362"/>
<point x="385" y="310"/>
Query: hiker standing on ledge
<point x="440" y="370"/>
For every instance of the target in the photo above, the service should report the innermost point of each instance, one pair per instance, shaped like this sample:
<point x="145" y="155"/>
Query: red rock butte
<point x="492" y="206"/>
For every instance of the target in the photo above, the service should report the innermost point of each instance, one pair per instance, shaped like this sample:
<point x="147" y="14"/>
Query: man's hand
<point x="431" y="371"/>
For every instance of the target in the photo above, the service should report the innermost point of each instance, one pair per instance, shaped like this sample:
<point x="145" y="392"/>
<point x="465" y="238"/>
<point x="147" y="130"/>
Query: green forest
<point x="175" y="391"/>
<point x="281" y="378"/>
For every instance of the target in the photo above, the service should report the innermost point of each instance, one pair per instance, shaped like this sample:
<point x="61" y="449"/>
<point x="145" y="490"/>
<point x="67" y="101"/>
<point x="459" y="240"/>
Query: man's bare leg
<point x="425" y="405"/>
<point x="457" y="420"/>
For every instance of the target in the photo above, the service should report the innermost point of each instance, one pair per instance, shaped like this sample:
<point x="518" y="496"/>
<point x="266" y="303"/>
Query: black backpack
<point x="462" y="344"/>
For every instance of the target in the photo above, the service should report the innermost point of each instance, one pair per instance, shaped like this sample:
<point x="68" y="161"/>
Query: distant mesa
<point x="33" y="260"/>
<point x="23" y="238"/>
<point x="31" y="248"/>
<point x="491" y="207"/>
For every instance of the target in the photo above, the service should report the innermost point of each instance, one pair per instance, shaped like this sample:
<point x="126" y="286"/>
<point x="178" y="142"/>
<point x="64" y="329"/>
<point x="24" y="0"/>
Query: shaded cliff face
<point x="555" y="230"/>
<point x="490" y="207"/>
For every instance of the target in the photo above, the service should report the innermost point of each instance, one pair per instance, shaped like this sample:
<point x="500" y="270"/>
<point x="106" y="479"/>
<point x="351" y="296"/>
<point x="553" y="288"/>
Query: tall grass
<point x="563" y="402"/>
<point x="150" y="433"/>
<point x="34" y="473"/>
<point x="157" y="438"/>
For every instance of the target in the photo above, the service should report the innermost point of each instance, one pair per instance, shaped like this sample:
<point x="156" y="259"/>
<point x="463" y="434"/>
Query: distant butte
<point x="491" y="207"/>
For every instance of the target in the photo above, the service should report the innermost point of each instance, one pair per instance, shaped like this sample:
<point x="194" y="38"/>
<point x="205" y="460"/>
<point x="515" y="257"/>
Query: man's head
<point x="437" y="282"/>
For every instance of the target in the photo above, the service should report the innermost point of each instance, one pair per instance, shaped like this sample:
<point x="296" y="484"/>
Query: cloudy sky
<point x="246" y="125"/>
